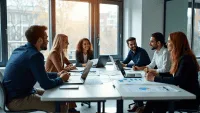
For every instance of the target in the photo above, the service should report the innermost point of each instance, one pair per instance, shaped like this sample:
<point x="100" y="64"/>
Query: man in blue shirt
<point x="26" y="67"/>
<point x="138" y="55"/>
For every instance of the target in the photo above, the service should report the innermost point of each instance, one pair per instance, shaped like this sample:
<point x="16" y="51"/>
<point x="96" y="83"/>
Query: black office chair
<point x="3" y="100"/>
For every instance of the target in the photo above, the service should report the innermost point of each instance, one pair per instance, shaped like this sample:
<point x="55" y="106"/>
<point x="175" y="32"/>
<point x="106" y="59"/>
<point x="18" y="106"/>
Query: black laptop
<point x="102" y="60"/>
<point x="127" y="75"/>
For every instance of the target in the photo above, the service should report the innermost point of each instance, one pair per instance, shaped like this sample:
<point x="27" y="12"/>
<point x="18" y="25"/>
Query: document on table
<point x="131" y="81"/>
<point x="131" y="88"/>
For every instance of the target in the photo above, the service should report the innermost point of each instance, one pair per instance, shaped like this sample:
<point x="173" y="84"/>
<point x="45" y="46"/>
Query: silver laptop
<point x="83" y="76"/>
<point x="127" y="75"/>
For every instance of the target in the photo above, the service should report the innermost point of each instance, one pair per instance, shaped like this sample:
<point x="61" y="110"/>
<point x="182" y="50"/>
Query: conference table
<point x="108" y="84"/>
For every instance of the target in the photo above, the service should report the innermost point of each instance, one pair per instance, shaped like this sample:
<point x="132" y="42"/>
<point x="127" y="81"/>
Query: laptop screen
<point x="86" y="70"/>
<point x="119" y="65"/>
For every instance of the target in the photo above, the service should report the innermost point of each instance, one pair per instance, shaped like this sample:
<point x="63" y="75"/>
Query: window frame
<point x="3" y="32"/>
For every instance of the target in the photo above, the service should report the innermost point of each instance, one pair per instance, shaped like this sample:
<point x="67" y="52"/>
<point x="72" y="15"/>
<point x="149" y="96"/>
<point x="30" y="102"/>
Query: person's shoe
<point x="73" y="110"/>
<point x="134" y="108"/>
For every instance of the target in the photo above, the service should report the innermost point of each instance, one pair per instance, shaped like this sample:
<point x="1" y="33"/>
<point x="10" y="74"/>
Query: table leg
<point x="171" y="107"/>
<point x="99" y="107"/>
<point x="119" y="106"/>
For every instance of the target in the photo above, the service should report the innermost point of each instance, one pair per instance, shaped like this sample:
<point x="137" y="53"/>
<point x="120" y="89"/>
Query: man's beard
<point x="153" y="48"/>
<point x="133" y="48"/>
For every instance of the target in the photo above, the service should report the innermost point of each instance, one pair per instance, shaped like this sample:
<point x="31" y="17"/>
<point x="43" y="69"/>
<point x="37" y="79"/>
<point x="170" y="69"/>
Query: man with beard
<point x="138" y="55"/>
<point x="161" y="58"/>
<point x="26" y="67"/>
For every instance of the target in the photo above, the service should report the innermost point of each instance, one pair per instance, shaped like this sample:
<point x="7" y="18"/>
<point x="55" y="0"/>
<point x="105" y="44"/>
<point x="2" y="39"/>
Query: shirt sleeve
<point x="153" y="62"/>
<point x="38" y="71"/>
<point x="128" y="59"/>
<point x="166" y="63"/>
<point x="52" y="75"/>
<point x="143" y="59"/>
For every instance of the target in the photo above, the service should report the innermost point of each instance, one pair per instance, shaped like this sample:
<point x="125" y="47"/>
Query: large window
<point x="20" y="15"/>
<point x="73" y="19"/>
<point x="92" y="19"/>
<point x="108" y="29"/>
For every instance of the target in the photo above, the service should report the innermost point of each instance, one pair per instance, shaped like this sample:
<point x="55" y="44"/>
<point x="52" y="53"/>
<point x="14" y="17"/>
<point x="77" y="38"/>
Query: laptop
<point x="127" y="75"/>
<point x="83" y="75"/>
<point x="102" y="60"/>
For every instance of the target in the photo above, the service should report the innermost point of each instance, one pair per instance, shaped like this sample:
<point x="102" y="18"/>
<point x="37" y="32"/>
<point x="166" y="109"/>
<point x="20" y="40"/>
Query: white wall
<point x="141" y="19"/>
<point x="132" y="22"/>
<point x="152" y="21"/>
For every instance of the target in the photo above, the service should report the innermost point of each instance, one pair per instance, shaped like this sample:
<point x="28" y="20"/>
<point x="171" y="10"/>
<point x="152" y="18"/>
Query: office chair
<point x="3" y="100"/>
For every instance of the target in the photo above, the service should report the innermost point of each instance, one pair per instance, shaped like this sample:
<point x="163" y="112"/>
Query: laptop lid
<point x="86" y="70"/>
<point x="120" y="67"/>
<point x="102" y="60"/>
<point x="83" y="75"/>
<point x="112" y="60"/>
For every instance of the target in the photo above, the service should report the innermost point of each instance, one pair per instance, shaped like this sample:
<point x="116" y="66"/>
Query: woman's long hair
<point x="79" y="47"/>
<point x="58" y="42"/>
<point x="180" y="47"/>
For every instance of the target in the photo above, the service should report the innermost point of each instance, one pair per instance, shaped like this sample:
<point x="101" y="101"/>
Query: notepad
<point x="69" y="87"/>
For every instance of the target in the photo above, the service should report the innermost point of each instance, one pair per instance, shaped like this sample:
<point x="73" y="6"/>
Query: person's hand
<point x="136" y="68"/>
<point x="153" y="71"/>
<point x="83" y="65"/>
<point x="63" y="71"/>
<point x="65" y="76"/>
<point x="72" y="67"/>
<point x="124" y="65"/>
<point x="149" y="76"/>
<point x="146" y="69"/>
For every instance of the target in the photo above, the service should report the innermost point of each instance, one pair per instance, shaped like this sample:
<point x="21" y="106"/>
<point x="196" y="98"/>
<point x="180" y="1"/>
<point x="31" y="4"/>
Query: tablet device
<point x="69" y="87"/>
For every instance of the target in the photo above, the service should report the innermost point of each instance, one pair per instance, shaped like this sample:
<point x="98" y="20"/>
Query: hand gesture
<point x="65" y="76"/>
<point x="149" y="76"/>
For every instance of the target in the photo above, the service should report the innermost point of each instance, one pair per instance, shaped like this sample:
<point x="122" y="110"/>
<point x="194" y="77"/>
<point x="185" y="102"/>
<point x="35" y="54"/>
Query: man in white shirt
<point x="161" y="58"/>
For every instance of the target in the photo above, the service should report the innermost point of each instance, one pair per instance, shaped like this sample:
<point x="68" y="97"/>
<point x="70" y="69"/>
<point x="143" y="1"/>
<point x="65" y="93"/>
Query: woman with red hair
<point x="183" y="73"/>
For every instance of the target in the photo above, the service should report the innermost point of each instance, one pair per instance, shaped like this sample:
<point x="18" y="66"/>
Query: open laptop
<point x="83" y="76"/>
<point x="102" y="60"/>
<point x="127" y="75"/>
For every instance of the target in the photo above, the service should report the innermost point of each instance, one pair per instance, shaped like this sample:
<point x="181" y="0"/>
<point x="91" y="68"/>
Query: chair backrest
<point x="2" y="96"/>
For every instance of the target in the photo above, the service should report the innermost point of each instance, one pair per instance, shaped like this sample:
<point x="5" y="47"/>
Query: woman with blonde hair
<point x="183" y="73"/>
<point x="57" y="59"/>
<point x="84" y="52"/>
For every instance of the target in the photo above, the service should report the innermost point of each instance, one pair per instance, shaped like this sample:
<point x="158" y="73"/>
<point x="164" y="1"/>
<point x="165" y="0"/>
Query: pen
<point x="114" y="86"/>
<point x="165" y="88"/>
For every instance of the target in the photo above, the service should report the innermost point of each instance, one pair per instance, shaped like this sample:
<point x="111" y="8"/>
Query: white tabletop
<point x="84" y="93"/>
<point x="132" y="91"/>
